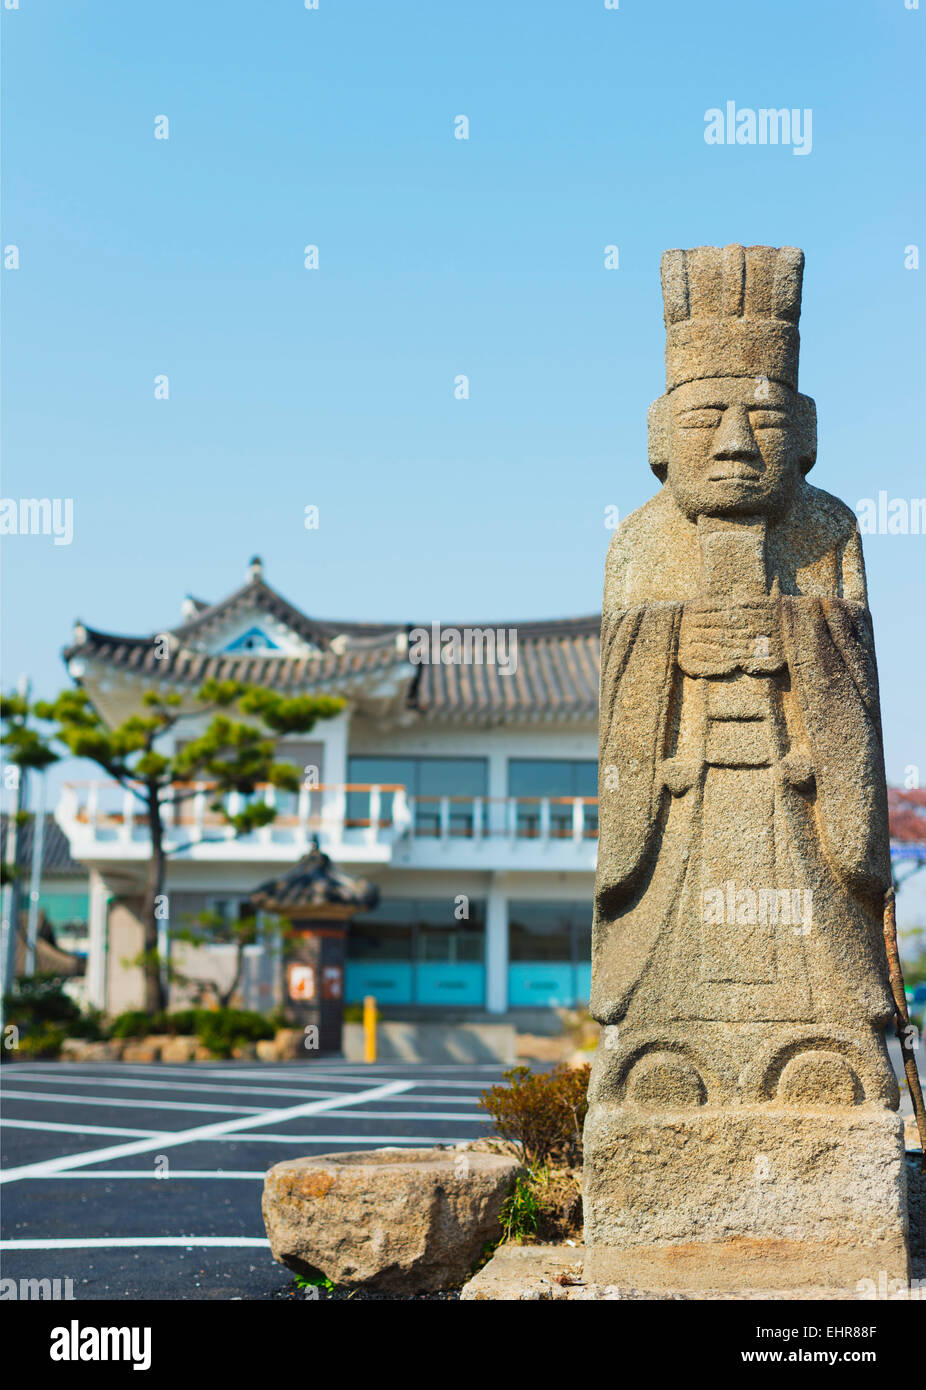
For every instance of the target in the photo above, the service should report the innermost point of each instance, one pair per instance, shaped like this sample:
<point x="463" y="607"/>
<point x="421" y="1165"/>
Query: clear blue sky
<point x="438" y="256"/>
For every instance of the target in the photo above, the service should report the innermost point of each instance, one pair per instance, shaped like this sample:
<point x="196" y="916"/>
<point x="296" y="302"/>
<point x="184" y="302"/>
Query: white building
<point x="466" y="791"/>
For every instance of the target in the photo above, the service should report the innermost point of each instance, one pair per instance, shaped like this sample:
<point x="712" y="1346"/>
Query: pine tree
<point x="233" y="754"/>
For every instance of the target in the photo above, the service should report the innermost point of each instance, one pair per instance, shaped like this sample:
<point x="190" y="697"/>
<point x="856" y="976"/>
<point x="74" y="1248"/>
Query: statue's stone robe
<point x="820" y="861"/>
<point x="742" y="1130"/>
<point x="835" y="834"/>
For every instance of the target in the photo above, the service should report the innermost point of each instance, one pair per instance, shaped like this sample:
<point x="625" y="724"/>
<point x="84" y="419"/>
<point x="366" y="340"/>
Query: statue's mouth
<point x="742" y="476"/>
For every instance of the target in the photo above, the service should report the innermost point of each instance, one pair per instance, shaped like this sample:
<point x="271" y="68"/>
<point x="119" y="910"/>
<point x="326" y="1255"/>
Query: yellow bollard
<point x="369" y="1028"/>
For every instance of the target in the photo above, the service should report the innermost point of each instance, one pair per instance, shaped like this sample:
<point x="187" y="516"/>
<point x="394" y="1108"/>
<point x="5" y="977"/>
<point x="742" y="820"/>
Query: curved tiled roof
<point x="315" y="884"/>
<point x="258" y="595"/>
<point x="555" y="676"/>
<point x="189" y="666"/>
<point x="56" y="850"/>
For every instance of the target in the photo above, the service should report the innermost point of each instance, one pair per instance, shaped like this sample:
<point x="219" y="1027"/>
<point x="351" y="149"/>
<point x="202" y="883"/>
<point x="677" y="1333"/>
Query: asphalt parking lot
<point x="138" y="1181"/>
<point x="144" y="1181"/>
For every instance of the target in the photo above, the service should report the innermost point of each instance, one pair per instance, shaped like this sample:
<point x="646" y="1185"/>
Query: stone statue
<point x="742" y="1129"/>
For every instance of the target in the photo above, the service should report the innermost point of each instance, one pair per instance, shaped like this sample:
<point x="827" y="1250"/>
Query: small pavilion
<point x="318" y="900"/>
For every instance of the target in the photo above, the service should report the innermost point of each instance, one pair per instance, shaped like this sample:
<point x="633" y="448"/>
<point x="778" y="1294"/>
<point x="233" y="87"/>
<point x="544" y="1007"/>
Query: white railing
<point x="510" y="818"/>
<point x="105" y="817"/>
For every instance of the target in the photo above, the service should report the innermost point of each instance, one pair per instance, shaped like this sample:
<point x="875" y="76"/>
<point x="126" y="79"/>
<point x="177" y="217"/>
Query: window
<point x="427" y="780"/>
<point x="417" y="951"/>
<point x="254" y="640"/>
<point x="549" y="951"/>
<point x="555" y="778"/>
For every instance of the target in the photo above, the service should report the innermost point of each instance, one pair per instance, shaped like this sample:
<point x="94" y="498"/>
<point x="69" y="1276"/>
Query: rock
<point x="267" y="1050"/>
<point x="179" y="1049"/>
<point x="397" y="1220"/>
<point x="289" y="1045"/>
<point x="141" y="1050"/>
<point x="80" y="1050"/>
<point x="526" y="1274"/>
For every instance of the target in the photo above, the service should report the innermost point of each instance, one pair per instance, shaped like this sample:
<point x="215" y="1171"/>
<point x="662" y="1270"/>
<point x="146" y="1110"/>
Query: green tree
<point x="210" y="928"/>
<point x="24" y="747"/>
<point x="25" y="750"/>
<point x="232" y="754"/>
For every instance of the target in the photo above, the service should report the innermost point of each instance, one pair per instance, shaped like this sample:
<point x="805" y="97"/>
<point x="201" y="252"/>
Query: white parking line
<point x="373" y="1140"/>
<point x="78" y="1129"/>
<point x="57" y="1098"/>
<point x="361" y="1079"/>
<point x="217" y="1130"/>
<point x="181" y="1084"/>
<point x="268" y="1072"/>
<point x="376" y="1141"/>
<point x="426" y="1116"/>
<point x="134" y="1242"/>
<point x="145" y="1175"/>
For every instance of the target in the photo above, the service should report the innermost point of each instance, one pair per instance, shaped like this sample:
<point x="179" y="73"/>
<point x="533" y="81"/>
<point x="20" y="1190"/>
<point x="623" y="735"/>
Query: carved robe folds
<point x="692" y="739"/>
<point x="742" y="1131"/>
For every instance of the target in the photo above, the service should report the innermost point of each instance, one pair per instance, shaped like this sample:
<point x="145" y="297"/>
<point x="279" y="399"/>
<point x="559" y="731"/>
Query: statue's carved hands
<point x="719" y="638"/>
<point x="679" y="774"/>
<point x="796" y="769"/>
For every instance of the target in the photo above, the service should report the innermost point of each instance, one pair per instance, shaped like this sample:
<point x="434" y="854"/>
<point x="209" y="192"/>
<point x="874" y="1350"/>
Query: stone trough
<point x="394" y="1220"/>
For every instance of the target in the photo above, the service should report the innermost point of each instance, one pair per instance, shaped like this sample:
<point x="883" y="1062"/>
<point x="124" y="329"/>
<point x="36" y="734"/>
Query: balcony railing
<point x="97" y="814"/>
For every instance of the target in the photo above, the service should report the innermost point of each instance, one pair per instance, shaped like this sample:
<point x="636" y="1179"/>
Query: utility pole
<point x="35" y="883"/>
<point x="11" y="891"/>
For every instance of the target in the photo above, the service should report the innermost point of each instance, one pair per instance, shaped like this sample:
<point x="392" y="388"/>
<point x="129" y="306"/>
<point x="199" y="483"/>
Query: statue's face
<point x="733" y="447"/>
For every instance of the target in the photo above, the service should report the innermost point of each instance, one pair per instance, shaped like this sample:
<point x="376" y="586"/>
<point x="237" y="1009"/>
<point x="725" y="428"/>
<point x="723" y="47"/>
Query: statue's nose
<point x="734" y="438"/>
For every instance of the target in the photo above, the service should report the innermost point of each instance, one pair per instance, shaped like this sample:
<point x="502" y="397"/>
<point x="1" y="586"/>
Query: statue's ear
<point x="657" y="426"/>
<point x="806" y="432"/>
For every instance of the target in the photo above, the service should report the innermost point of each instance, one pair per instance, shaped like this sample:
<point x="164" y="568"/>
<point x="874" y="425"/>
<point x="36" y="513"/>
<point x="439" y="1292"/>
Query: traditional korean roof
<point x="190" y="665"/>
<point x="257" y="596"/>
<point x="554" y="677"/>
<point x="56" y="851"/>
<point x="315" y="887"/>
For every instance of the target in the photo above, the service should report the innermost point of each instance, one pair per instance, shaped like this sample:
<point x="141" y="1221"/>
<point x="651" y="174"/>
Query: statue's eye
<point x="706" y="419"/>
<point x="768" y="419"/>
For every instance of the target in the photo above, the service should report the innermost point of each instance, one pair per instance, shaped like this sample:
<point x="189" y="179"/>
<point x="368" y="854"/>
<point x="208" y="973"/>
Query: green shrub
<point x="222" y="1030"/>
<point x="181" y="1024"/>
<point x="38" y="999"/>
<point x="541" y="1114"/>
<point x="42" y="1041"/>
<point x="135" y="1023"/>
<point x="353" y="1013"/>
<point x="45" y="1015"/>
<point x="520" y="1209"/>
<point x="90" y="1026"/>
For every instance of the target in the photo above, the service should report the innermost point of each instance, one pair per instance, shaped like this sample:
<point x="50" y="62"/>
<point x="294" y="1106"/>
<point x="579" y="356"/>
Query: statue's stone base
<point x="744" y="1197"/>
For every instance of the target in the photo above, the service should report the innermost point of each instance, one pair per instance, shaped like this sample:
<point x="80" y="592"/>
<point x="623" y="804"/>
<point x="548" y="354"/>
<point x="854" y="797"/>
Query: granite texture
<point x="393" y="1220"/>
<point x="739" y="968"/>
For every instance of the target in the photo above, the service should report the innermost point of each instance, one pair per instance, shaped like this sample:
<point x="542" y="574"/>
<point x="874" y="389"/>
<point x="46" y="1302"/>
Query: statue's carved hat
<point x="732" y="311"/>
